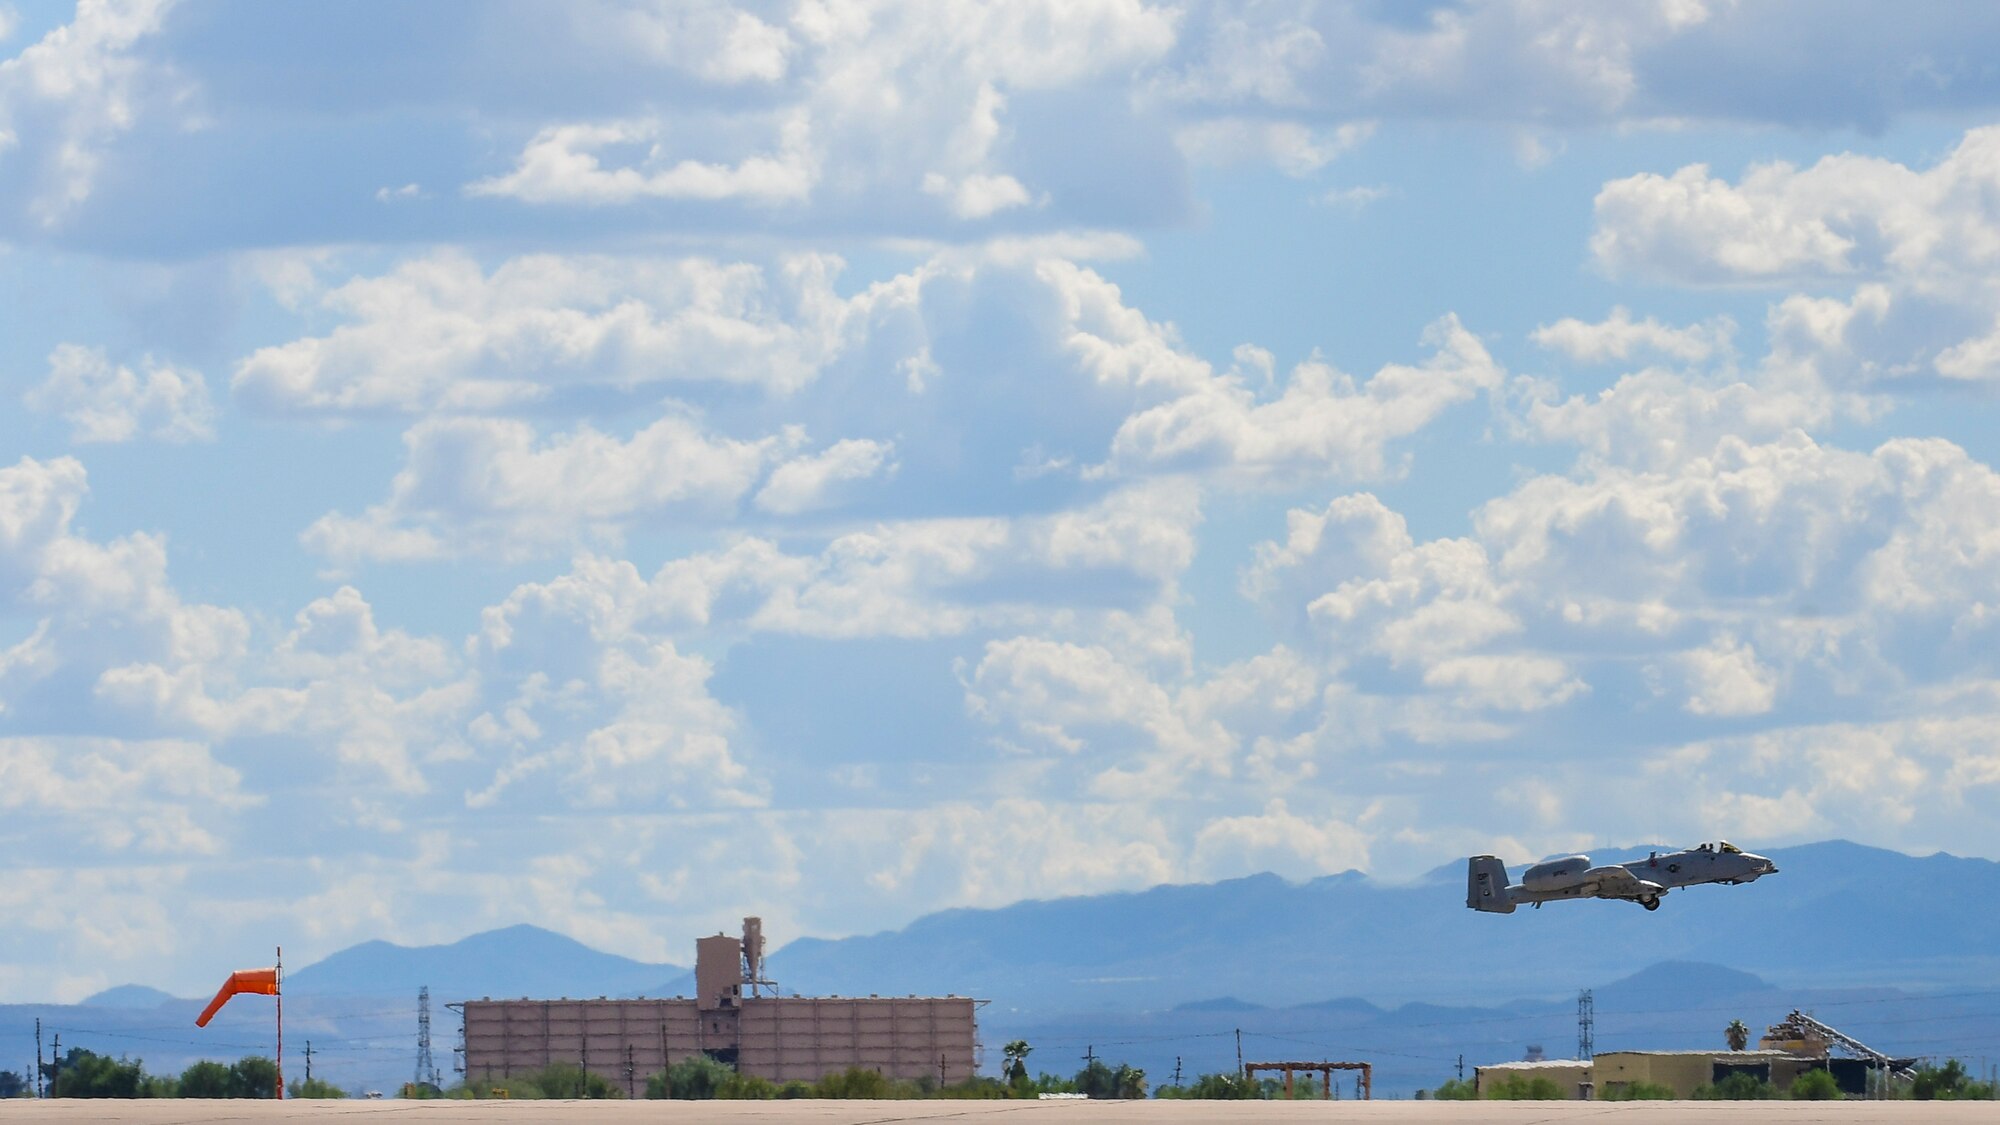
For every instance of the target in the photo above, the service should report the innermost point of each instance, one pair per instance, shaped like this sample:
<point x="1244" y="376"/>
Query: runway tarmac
<point x="178" y="1112"/>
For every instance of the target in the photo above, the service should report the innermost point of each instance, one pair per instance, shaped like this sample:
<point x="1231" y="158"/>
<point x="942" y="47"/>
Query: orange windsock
<point x="251" y="982"/>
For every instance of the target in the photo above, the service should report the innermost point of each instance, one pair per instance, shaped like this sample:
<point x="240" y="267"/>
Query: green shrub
<point x="321" y="1088"/>
<point x="1457" y="1090"/>
<point x="855" y="1082"/>
<point x="1639" y="1092"/>
<point x="1305" y="1087"/>
<point x="1738" y="1087"/>
<point x="1046" y="1083"/>
<point x="978" y="1088"/>
<point x="1948" y="1083"/>
<point x="1815" y="1086"/>
<point x="1214" y="1087"/>
<point x="1521" y="1088"/>
<point x="160" y="1086"/>
<point x="746" y="1088"/>
<point x="253" y="1076"/>
<point x="1096" y="1081"/>
<point x="569" y="1082"/>
<point x="87" y="1074"/>
<point x="205" y="1079"/>
<point x="1128" y="1082"/>
<point x="795" y="1089"/>
<point x="480" y="1089"/>
<point x="694" y="1078"/>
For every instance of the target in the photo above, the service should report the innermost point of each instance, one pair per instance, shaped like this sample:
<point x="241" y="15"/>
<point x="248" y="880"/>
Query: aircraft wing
<point x="1619" y="882"/>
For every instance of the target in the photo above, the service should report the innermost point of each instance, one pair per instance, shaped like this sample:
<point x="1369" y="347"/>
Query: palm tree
<point x="1015" y="1068"/>
<point x="1737" y="1034"/>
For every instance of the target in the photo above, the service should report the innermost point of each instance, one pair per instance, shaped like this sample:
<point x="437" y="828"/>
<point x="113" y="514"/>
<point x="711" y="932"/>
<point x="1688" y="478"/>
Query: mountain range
<point x="1836" y="914"/>
<point x="519" y="960"/>
<point x="1402" y="973"/>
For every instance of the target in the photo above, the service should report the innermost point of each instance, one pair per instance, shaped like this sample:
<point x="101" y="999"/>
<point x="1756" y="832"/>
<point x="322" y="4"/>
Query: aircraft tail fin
<point x="1486" y="885"/>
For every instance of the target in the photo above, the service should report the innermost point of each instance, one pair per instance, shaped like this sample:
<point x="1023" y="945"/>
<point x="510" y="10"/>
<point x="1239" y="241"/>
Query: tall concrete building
<point x="736" y="1017"/>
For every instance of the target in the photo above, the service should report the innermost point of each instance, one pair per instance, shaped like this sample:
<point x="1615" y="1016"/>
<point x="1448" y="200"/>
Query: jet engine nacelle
<point x="1557" y="874"/>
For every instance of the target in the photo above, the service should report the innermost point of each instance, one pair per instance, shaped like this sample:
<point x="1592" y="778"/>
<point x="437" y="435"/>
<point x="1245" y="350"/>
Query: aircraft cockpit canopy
<point x="1727" y="848"/>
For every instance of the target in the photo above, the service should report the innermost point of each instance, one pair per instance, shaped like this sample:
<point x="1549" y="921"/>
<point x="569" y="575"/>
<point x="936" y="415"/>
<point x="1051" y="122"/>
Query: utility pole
<point x="1089" y="1055"/>
<point x="458" y="1049"/>
<point x="309" y="1062"/>
<point x="38" y="1056"/>
<point x="1177" y="1071"/>
<point x="940" y="1072"/>
<point x="55" y="1063"/>
<point x="1239" y="1052"/>
<point x="630" y="1070"/>
<point x="1461" y="1068"/>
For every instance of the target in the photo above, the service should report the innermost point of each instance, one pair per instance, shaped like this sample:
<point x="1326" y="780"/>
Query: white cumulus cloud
<point x="816" y="481"/>
<point x="563" y="164"/>
<point x="440" y="332"/>
<point x="489" y="484"/>
<point x="107" y="402"/>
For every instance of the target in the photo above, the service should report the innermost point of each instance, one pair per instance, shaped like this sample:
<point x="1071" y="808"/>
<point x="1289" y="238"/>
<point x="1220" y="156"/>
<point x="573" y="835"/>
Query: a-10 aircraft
<point x="1643" y="882"/>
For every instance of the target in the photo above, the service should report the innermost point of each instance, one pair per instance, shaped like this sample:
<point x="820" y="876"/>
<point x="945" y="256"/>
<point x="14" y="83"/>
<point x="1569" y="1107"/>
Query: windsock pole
<point x="256" y="982"/>
<point x="281" y="1022"/>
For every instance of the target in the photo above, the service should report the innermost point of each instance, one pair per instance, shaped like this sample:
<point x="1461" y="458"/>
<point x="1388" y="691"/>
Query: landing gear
<point x="1650" y="902"/>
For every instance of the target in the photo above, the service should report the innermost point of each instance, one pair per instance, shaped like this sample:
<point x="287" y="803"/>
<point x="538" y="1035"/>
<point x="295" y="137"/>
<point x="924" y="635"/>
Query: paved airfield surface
<point x="174" y="1112"/>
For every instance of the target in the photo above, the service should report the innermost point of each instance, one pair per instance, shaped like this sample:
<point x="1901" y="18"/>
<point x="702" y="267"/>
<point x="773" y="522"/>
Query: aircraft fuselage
<point x="1642" y="881"/>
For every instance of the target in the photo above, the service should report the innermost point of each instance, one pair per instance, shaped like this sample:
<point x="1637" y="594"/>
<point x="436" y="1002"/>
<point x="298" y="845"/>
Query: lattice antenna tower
<point x="1586" y="1024"/>
<point x="427" y="1071"/>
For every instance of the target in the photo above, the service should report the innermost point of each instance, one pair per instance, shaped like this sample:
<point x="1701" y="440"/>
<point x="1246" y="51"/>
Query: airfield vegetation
<point x="881" y="1113"/>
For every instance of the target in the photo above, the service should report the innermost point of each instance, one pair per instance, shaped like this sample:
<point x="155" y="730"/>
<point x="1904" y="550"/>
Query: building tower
<point x="427" y="1071"/>
<point x="1586" y="1025"/>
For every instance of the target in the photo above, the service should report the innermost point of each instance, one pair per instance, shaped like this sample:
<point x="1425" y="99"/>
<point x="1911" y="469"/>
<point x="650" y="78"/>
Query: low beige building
<point x="1684" y="1071"/>
<point x="1571" y="1076"/>
<point x="1680" y="1071"/>
<point x="731" y="1019"/>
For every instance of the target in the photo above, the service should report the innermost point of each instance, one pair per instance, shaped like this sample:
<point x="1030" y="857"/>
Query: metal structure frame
<point x="427" y="1071"/>
<point x="1323" y="1069"/>
<point x="1586" y="1025"/>
<point x="1798" y="1025"/>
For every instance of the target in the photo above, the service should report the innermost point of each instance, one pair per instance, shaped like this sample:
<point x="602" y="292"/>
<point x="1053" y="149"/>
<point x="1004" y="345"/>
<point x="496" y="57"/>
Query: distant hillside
<point x="1341" y="966"/>
<point x="129" y="996"/>
<point x="1219" y="1004"/>
<point x="1873" y="916"/>
<point x="516" y="961"/>
<point x="1686" y="981"/>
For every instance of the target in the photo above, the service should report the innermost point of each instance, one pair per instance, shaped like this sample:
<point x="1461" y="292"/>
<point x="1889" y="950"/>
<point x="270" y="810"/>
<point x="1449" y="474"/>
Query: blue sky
<point x="624" y="465"/>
